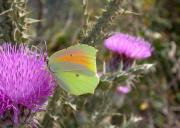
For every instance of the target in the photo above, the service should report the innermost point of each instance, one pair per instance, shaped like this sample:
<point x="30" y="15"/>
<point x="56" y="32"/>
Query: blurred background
<point x="156" y="96"/>
<point x="154" y="100"/>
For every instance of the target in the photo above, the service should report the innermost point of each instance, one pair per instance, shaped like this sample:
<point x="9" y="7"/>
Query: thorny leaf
<point x="136" y="70"/>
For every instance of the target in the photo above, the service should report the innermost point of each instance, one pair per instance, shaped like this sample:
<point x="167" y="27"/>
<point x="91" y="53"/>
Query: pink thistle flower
<point x="25" y="82"/>
<point x="123" y="89"/>
<point x="127" y="48"/>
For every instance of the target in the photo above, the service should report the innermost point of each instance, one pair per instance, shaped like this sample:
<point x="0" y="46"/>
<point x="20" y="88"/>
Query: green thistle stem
<point x="12" y="20"/>
<point x="6" y="26"/>
<point x="48" y="118"/>
<point x="102" y="23"/>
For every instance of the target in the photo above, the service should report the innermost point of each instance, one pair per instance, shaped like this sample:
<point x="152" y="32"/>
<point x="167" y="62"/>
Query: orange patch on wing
<point x="77" y="58"/>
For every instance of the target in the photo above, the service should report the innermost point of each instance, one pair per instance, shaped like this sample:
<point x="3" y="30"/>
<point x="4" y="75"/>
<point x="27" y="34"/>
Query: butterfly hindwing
<point x="77" y="83"/>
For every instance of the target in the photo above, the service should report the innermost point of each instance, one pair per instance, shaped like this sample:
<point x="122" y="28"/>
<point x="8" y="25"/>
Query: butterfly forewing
<point x="75" y="69"/>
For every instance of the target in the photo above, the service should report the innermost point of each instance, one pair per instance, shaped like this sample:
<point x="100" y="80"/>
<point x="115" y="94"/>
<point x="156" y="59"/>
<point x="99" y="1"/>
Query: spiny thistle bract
<point x="127" y="48"/>
<point x="25" y="82"/>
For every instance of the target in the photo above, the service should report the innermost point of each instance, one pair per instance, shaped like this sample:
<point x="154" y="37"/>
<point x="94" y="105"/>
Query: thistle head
<point x="127" y="48"/>
<point x="25" y="82"/>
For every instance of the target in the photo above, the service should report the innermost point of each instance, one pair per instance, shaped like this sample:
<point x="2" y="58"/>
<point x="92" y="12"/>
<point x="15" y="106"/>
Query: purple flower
<point x="126" y="48"/>
<point x="25" y="82"/>
<point x="123" y="89"/>
<point x="129" y="46"/>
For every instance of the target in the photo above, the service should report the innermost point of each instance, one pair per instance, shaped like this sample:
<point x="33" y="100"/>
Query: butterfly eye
<point x="70" y="54"/>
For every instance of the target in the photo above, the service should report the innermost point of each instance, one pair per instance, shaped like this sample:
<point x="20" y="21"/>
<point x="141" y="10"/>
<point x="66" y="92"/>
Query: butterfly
<point x="75" y="69"/>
